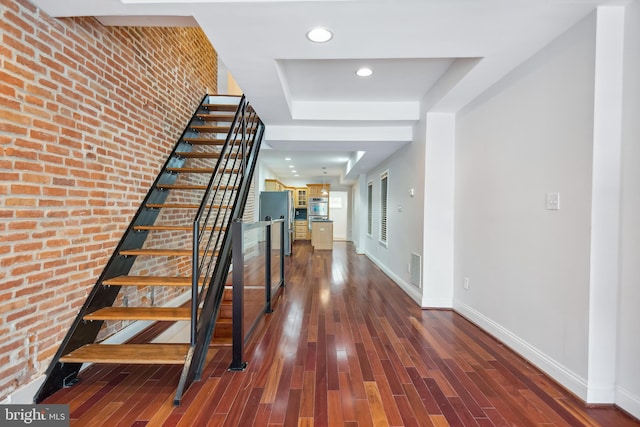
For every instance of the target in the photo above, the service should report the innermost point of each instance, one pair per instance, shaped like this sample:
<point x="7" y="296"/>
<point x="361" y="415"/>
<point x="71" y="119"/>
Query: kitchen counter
<point x="322" y="234"/>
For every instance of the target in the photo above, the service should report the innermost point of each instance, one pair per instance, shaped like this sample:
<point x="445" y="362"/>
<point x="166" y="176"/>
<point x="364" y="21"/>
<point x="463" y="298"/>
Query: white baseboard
<point x="408" y="288"/>
<point x="25" y="394"/>
<point x="564" y="376"/>
<point x="623" y="398"/>
<point x="628" y="401"/>
<point x="439" y="303"/>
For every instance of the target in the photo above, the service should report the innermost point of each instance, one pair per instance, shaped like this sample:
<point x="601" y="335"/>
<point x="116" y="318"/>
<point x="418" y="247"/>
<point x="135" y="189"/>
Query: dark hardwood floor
<point x="344" y="347"/>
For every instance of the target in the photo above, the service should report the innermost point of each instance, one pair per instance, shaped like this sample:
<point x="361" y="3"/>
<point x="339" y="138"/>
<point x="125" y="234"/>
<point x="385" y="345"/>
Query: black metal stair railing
<point x="223" y="202"/>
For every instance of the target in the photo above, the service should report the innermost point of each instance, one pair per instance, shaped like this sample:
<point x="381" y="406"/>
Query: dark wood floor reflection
<point x="344" y="347"/>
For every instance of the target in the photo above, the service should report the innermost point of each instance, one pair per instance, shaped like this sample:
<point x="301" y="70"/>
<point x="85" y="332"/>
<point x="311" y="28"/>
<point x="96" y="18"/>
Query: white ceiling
<point x="427" y="55"/>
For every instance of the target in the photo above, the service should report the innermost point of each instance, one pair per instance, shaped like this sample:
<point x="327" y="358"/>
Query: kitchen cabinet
<point x="315" y="190"/>
<point x="302" y="229"/>
<point x="322" y="235"/>
<point x="273" y="185"/>
<point x="300" y="197"/>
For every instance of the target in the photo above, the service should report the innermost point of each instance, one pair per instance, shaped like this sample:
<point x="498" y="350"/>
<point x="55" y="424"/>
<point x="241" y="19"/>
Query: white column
<point x="437" y="277"/>
<point x="359" y="227"/>
<point x="605" y="208"/>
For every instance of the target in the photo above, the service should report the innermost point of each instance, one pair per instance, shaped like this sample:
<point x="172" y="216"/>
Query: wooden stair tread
<point x="199" y="170"/>
<point x="180" y="206"/>
<point x="210" y="129"/>
<point x="217" y="129"/>
<point x="172" y="205"/>
<point x="194" y="187"/>
<point x="141" y="313"/>
<point x="217" y="117"/>
<point x="200" y="155"/>
<point x="192" y="155"/>
<point x="173" y="354"/>
<point x="172" y="228"/>
<point x="204" y="141"/>
<point x="191" y="170"/>
<point x="147" y="281"/>
<point x="221" y="107"/>
<point x="160" y="252"/>
<point x="182" y="187"/>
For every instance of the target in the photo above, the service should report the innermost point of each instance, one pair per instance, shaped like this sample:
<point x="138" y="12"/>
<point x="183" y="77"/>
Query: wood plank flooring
<point x="344" y="347"/>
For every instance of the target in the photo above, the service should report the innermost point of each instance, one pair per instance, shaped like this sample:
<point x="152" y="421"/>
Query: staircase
<point x="179" y="240"/>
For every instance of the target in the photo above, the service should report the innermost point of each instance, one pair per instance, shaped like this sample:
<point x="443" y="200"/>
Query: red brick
<point x="9" y="41"/>
<point x="25" y="247"/>
<point x="18" y="271"/>
<point x="43" y="48"/>
<point x="25" y="189"/>
<point x="31" y="213"/>
<point x="14" y="129"/>
<point x="22" y="225"/>
<point x="17" y="118"/>
<point x="56" y="170"/>
<point x="10" y="284"/>
<point x="30" y="166"/>
<point x="22" y="153"/>
<point x="13" y="201"/>
<point x="44" y="235"/>
<point x="50" y="126"/>
<point x="27" y="312"/>
<point x="32" y="65"/>
<point x="50" y="202"/>
<point x="7" y="92"/>
<point x="11" y="29"/>
<point x="65" y="62"/>
<point x="54" y="192"/>
<point x="44" y="276"/>
<point x="35" y="178"/>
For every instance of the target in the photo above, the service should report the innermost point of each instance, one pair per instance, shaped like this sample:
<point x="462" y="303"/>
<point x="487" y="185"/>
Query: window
<point x="384" y="178"/>
<point x="370" y="208"/>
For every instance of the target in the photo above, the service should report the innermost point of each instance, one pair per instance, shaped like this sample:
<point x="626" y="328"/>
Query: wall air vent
<point x="415" y="269"/>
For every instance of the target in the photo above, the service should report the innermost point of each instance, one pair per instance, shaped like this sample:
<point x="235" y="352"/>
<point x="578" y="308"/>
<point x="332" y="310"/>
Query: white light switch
<point x="553" y="201"/>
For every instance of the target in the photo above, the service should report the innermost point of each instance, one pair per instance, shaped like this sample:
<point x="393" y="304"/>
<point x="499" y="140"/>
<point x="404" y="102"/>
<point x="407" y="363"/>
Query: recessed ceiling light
<point x="364" y="72"/>
<point x="287" y="158"/>
<point x="319" y="35"/>
<point x="294" y="171"/>
<point x="291" y="166"/>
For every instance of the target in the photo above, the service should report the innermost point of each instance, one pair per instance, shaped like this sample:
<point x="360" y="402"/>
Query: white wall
<point x="405" y="214"/>
<point x="528" y="267"/>
<point x="628" y="375"/>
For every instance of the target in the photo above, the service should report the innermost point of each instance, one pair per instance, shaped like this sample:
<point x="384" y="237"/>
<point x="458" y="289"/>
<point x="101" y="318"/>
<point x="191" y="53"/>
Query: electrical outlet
<point x="466" y="283"/>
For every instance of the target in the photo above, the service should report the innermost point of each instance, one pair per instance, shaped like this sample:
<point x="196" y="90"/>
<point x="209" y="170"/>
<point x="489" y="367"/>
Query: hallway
<point x="344" y="347"/>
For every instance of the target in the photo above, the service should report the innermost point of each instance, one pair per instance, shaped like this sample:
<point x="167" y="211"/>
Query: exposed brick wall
<point x="88" y="115"/>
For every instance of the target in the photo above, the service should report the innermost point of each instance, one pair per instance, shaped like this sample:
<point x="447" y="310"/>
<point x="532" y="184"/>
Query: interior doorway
<point x="338" y="212"/>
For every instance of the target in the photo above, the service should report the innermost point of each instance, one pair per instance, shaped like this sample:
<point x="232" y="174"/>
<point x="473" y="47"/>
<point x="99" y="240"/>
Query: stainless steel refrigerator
<point x="279" y="204"/>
